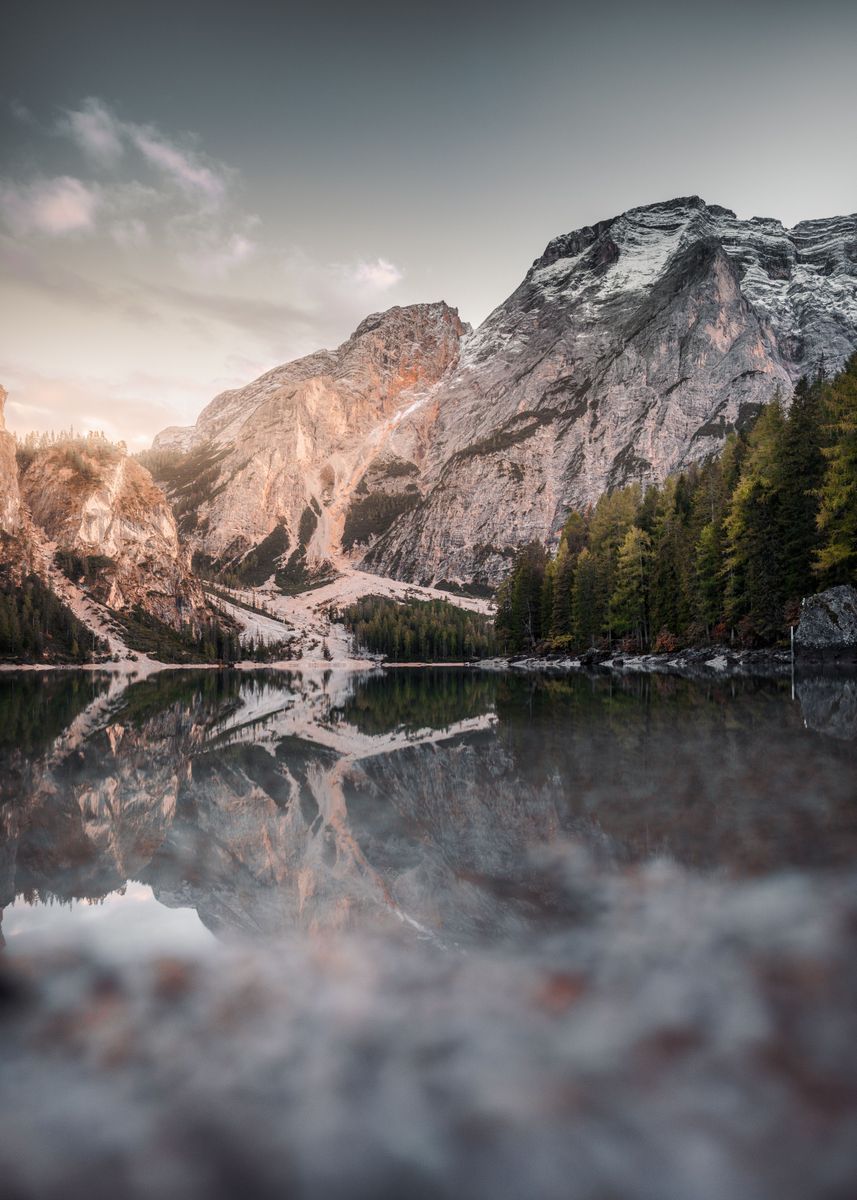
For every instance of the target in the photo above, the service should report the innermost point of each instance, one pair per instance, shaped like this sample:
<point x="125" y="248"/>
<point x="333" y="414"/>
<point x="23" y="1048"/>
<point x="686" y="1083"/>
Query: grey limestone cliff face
<point x="629" y="351"/>
<point x="9" y="498"/>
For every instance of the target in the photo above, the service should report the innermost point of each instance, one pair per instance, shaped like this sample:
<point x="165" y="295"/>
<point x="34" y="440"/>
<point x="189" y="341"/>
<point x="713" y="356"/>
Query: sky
<point x="194" y="192"/>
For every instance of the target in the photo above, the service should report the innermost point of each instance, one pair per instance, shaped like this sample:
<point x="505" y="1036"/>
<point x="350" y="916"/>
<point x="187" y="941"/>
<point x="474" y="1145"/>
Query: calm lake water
<point x="428" y="932"/>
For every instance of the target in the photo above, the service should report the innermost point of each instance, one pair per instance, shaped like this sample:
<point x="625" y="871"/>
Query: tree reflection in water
<point x="477" y="934"/>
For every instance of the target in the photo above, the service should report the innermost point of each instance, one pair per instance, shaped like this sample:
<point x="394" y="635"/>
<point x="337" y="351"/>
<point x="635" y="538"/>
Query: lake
<point x="428" y="932"/>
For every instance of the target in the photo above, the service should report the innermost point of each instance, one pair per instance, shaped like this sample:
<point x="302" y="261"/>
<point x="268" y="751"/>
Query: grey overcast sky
<point x="192" y="192"/>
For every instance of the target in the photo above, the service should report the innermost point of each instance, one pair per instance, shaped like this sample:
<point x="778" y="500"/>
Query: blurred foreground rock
<point x="678" y="1041"/>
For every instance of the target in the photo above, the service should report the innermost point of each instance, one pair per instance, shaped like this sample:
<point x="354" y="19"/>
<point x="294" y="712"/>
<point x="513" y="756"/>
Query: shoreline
<point x="712" y="663"/>
<point x="709" y="662"/>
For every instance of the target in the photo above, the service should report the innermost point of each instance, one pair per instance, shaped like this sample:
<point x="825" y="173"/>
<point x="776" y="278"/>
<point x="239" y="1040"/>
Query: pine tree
<point x="547" y="597"/>
<point x="754" y="553"/>
<point x="586" y="619"/>
<point x="572" y="541"/>
<point x="629" y="602"/>
<point x="836" y="561"/>
<point x="708" y="592"/>
<point x="800" y="476"/>
<point x="670" y="586"/>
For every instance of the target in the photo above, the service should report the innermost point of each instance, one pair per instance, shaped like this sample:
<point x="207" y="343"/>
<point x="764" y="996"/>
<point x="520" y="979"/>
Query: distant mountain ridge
<point x="91" y="525"/>
<point x="430" y="452"/>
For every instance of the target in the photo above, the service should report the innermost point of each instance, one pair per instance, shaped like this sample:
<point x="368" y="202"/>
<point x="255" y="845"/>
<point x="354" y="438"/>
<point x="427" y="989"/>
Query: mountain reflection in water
<point x="584" y="890"/>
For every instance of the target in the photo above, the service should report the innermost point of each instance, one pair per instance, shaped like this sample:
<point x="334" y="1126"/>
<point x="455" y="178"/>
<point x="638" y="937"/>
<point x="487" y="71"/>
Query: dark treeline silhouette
<point x="36" y="707"/>
<point x="723" y="551"/>
<point x="212" y="640"/>
<point x="35" y="626"/>
<point x="418" y="630"/>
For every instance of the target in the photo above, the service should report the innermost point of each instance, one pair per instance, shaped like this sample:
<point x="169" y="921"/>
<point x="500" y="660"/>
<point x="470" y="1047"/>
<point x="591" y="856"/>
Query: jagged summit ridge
<point x="629" y="350"/>
<point x="801" y="279"/>
<point x="384" y="342"/>
<point x="286" y="453"/>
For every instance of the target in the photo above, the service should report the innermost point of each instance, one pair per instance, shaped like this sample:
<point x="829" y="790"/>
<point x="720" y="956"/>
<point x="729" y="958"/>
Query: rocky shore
<point x="696" y="662"/>
<point x="826" y="635"/>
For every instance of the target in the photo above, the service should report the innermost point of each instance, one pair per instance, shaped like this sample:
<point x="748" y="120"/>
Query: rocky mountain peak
<point x="282" y="457"/>
<point x="630" y="349"/>
<point x="9" y="497"/>
<point x="394" y="323"/>
<point x="103" y="512"/>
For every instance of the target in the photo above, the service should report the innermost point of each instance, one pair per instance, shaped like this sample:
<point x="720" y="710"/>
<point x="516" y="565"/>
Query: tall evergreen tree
<point x="836" y="561"/>
<point x="572" y="541"/>
<point x="519" y="603"/>
<point x="799" y="476"/>
<point x="754" y="554"/>
<point x="629" y="604"/>
<point x="586" y="618"/>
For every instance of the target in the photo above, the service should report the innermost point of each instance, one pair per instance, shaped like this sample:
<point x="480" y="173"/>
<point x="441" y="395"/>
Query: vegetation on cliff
<point x="724" y="550"/>
<point x="35" y="626"/>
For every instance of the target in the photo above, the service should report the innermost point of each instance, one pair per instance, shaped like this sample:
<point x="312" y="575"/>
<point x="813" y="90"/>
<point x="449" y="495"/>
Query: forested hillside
<point x="418" y="630"/>
<point x="724" y="550"/>
<point x="35" y="626"/>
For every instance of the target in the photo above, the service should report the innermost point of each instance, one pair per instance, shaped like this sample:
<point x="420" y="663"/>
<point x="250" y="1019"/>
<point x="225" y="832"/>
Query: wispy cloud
<point x="130" y="233"/>
<point x="184" y="168"/>
<point x="102" y="135"/>
<point x="57" y="206"/>
<point x="132" y="407"/>
<point x="21" y="113"/>
<point x="95" y="130"/>
<point x="209" y="252"/>
<point x="175" y="272"/>
<point x="379" y="274"/>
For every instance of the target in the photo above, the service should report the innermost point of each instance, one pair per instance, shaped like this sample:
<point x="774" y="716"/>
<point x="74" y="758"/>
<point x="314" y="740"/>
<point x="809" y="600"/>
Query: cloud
<point x="132" y="408"/>
<point x="21" y="113"/>
<point x="267" y="321"/>
<point x="379" y="274"/>
<point x="55" y="207"/>
<point x="181" y="166"/>
<point x="214" y="255"/>
<point x="95" y="130"/>
<point x="337" y="286"/>
<point x="65" y="287"/>
<point x="102" y="135"/>
<point x="130" y="233"/>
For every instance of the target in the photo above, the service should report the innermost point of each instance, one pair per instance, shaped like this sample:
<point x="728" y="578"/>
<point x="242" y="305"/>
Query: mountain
<point x="112" y="527"/>
<point x="281" y="461"/>
<point x="85" y="537"/>
<point x="631" y="349"/>
<point x="10" y="501"/>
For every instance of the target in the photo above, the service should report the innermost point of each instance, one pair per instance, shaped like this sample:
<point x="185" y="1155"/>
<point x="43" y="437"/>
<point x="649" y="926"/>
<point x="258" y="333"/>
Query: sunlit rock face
<point x="629" y="351"/>
<point x="287" y="453"/>
<point x="9" y="497"/>
<point x="93" y="502"/>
